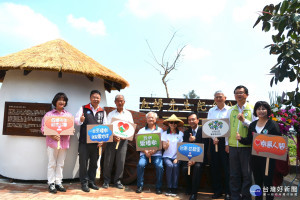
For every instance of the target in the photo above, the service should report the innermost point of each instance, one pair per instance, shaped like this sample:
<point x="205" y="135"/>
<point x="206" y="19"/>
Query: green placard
<point x="151" y="141"/>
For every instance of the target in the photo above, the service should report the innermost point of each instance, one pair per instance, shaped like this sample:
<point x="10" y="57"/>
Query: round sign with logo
<point x="215" y="128"/>
<point x="123" y="129"/>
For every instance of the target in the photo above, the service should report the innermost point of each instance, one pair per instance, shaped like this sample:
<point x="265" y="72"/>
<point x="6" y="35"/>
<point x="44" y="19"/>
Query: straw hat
<point x="173" y="118"/>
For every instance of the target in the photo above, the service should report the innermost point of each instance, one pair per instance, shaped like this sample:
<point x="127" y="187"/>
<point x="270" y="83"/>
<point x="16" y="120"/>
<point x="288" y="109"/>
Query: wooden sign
<point x="181" y="107"/>
<point x="24" y="118"/>
<point x="270" y="146"/>
<point x="151" y="141"/>
<point x="212" y="128"/>
<point x="58" y="125"/>
<point x="99" y="133"/>
<point x="123" y="129"/>
<point x="190" y="151"/>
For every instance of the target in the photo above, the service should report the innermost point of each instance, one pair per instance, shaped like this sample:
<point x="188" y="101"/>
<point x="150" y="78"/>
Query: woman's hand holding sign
<point x="166" y="145"/>
<point x="55" y="137"/>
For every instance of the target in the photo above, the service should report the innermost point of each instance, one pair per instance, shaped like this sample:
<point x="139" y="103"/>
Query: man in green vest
<point x="240" y="117"/>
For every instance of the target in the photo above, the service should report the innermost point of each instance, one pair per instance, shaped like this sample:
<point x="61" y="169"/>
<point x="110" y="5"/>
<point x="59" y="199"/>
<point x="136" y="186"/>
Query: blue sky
<point x="223" y="50"/>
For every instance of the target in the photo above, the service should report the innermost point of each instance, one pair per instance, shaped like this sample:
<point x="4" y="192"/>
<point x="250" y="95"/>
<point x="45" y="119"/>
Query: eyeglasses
<point x="173" y="122"/>
<point x="241" y="93"/>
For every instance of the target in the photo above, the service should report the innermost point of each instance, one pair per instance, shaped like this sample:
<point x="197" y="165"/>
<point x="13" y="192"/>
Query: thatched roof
<point x="58" y="55"/>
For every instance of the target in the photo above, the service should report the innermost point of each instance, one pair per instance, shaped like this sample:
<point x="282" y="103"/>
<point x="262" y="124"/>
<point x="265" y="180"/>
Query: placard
<point x="123" y="129"/>
<point x="59" y="125"/>
<point x="213" y="128"/>
<point x="151" y="141"/>
<point x="99" y="133"/>
<point x="190" y="151"/>
<point x="24" y="118"/>
<point x="271" y="146"/>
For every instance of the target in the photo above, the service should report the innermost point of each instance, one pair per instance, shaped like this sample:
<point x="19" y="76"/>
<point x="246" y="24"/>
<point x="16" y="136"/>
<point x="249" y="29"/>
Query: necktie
<point x="194" y="132"/>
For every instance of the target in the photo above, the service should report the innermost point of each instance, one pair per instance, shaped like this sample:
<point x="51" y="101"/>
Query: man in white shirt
<point x="156" y="156"/>
<point x="219" y="160"/>
<point x="111" y="153"/>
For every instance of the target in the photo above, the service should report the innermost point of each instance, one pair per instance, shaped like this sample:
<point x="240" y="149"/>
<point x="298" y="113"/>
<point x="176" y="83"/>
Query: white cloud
<point x="94" y="28"/>
<point x="250" y="9"/>
<point x="21" y="22"/>
<point x="177" y="9"/>
<point x="193" y="53"/>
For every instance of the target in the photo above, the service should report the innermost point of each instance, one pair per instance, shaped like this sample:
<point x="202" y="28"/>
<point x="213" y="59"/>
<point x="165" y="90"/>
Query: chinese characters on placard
<point x="147" y="142"/>
<point x="102" y="133"/>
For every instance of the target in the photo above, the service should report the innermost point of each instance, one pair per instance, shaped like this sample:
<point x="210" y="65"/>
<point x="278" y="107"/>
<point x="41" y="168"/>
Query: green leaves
<point x="284" y="6"/>
<point x="285" y="18"/>
<point x="266" y="26"/>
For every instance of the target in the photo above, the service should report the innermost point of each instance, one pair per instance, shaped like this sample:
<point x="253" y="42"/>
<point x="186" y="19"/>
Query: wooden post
<point x="150" y="159"/>
<point x="267" y="166"/>
<point x="189" y="170"/>
<point x="216" y="147"/>
<point x="117" y="146"/>
<point x="58" y="144"/>
<point x="98" y="163"/>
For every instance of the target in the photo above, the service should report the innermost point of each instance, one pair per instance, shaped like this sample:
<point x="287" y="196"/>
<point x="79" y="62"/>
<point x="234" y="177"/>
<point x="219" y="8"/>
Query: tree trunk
<point x="165" y="83"/>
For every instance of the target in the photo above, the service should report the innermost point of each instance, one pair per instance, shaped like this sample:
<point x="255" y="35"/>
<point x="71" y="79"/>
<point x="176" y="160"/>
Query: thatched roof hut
<point x="58" y="55"/>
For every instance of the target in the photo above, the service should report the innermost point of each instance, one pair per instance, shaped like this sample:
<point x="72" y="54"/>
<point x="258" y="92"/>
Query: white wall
<point x="25" y="157"/>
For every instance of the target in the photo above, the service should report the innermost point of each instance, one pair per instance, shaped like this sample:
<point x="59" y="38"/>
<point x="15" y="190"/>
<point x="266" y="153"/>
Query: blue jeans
<point x="158" y="162"/>
<point x="172" y="172"/>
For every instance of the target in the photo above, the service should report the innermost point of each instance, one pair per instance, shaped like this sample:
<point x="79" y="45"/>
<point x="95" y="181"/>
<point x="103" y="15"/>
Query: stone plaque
<point x="24" y="118"/>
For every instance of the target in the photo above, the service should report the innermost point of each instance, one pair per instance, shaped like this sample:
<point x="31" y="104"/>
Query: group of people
<point x="90" y="113"/>
<point x="233" y="158"/>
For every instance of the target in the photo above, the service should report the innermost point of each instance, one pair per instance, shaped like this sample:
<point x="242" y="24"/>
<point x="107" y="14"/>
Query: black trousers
<point x="258" y="165"/>
<point x="219" y="164"/>
<point x="240" y="172"/>
<point x="110" y="156"/>
<point x="88" y="157"/>
<point x="192" y="180"/>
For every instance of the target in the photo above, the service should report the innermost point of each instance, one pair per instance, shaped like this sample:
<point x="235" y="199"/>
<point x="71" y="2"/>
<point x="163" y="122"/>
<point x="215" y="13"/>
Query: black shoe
<point x="119" y="185"/>
<point x="52" y="188"/>
<point x="174" y="192"/>
<point x="168" y="192"/>
<point x="105" y="185"/>
<point x="85" y="188"/>
<point x="216" y="196"/>
<point x="139" y="190"/>
<point x="188" y="192"/>
<point x="193" y="197"/>
<point x="60" y="188"/>
<point x="227" y="197"/>
<point x="158" y="191"/>
<point x="93" y="186"/>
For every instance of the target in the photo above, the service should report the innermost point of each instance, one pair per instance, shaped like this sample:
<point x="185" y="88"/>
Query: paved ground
<point x="38" y="190"/>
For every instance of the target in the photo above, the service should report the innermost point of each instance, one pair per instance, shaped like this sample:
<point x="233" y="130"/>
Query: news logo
<point x="255" y="190"/>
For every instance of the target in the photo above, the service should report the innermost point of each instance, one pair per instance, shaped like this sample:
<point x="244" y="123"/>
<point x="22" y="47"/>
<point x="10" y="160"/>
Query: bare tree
<point x="163" y="67"/>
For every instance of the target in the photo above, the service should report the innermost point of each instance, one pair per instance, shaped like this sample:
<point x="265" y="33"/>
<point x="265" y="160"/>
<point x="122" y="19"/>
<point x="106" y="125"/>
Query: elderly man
<point x="219" y="160"/>
<point x="240" y="117"/>
<point x="111" y="153"/>
<point x="91" y="113"/>
<point x="156" y="156"/>
<point x="193" y="135"/>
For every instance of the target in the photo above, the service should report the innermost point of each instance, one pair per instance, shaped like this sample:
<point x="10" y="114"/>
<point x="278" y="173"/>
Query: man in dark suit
<point x="193" y="135"/>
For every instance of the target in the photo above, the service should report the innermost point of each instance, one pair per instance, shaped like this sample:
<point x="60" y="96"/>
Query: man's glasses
<point x="173" y="122"/>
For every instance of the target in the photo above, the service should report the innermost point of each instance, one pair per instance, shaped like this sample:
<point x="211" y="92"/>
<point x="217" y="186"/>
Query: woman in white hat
<point x="170" y="138"/>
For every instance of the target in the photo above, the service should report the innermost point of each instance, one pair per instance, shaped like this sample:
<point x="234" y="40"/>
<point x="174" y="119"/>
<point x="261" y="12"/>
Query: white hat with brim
<point x="173" y="118"/>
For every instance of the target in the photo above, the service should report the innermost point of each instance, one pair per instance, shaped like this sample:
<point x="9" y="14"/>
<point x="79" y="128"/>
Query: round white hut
<point x="35" y="75"/>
